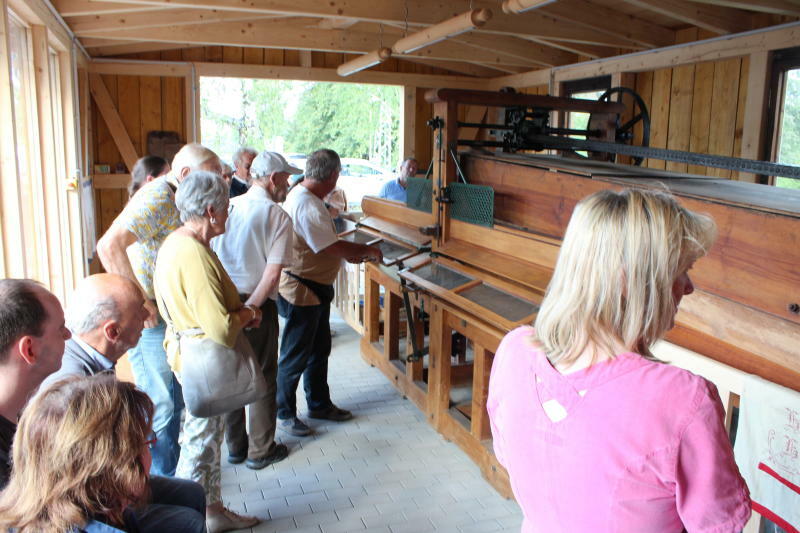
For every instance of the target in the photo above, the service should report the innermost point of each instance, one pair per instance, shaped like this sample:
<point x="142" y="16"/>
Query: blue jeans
<point x="154" y="376"/>
<point x="177" y="505"/>
<point x="305" y="347"/>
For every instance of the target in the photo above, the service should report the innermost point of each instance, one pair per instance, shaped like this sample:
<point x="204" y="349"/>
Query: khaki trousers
<point x="261" y="414"/>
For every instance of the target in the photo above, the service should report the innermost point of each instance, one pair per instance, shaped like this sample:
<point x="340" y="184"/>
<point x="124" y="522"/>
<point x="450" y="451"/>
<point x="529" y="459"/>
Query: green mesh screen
<point x="419" y="193"/>
<point x="472" y="203"/>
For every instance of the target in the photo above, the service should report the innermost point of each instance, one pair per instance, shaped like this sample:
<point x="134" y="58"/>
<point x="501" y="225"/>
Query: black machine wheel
<point x="624" y="131"/>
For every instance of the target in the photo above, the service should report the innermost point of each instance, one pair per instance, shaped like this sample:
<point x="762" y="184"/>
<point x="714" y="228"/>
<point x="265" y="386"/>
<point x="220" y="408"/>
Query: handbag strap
<point x="191" y="332"/>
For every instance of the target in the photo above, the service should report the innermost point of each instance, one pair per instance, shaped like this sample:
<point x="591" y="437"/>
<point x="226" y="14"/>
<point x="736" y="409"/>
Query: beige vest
<point x="320" y="267"/>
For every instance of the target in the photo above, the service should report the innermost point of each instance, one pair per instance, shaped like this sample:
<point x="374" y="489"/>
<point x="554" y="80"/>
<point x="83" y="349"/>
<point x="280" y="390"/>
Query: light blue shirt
<point x="96" y="356"/>
<point x="392" y="190"/>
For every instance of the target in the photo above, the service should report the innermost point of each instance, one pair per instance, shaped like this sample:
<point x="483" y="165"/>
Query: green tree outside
<point x="357" y="120"/>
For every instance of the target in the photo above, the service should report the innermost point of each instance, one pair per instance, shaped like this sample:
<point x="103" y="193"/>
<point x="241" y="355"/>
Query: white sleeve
<point x="282" y="239"/>
<point x="314" y="225"/>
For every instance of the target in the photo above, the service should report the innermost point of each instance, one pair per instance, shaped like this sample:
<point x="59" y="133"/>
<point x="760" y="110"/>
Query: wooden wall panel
<point x="682" y="102"/>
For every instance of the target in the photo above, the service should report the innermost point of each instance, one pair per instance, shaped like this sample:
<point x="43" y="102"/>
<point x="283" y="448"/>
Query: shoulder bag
<point x="217" y="379"/>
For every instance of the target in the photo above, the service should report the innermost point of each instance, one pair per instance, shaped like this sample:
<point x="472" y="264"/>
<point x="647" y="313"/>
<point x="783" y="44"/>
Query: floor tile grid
<point x="385" y="471"/>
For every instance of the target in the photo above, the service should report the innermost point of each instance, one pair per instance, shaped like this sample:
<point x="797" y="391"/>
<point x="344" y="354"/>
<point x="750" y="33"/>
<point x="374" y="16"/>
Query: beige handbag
<point x="217" y="379"/>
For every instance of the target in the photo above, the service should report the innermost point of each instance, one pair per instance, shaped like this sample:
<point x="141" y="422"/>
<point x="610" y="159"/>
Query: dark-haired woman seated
<point x="596" y="433"/>
<point x="81" y="455"/>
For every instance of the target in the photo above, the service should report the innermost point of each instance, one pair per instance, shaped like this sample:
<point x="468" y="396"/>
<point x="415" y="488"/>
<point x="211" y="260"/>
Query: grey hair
<point x="242" y="151"/>
<point x="322" y="164"/>
<point x="86" y="314"/>
<point x="199" y="190"/>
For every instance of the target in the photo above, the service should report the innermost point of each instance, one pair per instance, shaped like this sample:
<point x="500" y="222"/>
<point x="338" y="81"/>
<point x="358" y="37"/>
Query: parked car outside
<point x="359" y="178"/>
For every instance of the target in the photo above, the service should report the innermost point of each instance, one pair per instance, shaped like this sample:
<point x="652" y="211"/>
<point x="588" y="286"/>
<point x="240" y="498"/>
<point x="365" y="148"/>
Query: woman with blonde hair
<point x="81" y="458"/>
<point x="596" y="433"/>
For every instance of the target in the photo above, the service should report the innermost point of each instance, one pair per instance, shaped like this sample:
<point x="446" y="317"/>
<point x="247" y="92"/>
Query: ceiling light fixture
<point x="518" y="6"/>
<point x="444" y="30"/>
<point x="363" y="62"/>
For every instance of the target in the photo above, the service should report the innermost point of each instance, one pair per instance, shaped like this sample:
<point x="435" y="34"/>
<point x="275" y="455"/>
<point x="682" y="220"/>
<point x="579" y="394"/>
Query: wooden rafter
<point x="460" y="67"/>
<point x="724" y="47"/>
<point x="502" y="45"/>
<point x="420" y="12"/>
<point x="777" y="7"/>
<point x="717" y="19"/>
<point x="298" y="36"/>
<point x="77" y="8"/>
<point x="606" y="20"/>
<point x="87" y="24"/>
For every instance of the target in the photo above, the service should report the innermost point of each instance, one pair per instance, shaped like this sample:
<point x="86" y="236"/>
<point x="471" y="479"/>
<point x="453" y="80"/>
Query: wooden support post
<point x="409" y="125"/>
<point x="371" y="308"/>
<point x="444" y="168"/>
<point x="415" y="370"/>
<point x="391" y="325"/>
<point x="755" y="111"/>
<point x="45" y="182"/>
<point x="480" y="392"/>
<point x="440" y="369"/>
<point x="474" y="114"/>
<point x="112" y="119"/>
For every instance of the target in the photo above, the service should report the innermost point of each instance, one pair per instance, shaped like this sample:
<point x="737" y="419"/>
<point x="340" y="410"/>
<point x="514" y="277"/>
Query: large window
<point x="359" y="121"/>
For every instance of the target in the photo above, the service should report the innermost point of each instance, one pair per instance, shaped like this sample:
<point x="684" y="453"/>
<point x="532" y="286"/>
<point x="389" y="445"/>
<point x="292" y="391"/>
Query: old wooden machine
<point x="470" y="256"/>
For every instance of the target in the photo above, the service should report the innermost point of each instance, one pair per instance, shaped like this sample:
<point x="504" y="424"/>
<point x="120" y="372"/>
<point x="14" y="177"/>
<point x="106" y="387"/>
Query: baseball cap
<point x="266" y="163"/>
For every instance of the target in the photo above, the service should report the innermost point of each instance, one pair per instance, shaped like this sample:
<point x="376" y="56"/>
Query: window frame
<point x="781" y="62"/>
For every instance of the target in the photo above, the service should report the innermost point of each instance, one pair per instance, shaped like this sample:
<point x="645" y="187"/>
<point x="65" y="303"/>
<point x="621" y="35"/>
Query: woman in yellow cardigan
<point x="194" y="291"/>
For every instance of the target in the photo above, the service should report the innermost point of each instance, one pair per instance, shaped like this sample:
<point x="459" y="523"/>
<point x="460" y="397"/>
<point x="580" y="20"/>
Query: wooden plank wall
<point x="145" y="103"/>
<point x="682" y="101"/>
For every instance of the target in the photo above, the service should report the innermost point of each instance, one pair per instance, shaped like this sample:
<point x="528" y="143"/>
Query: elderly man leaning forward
<point x="256" y="246"/>
<point x="241" y="179"/>
<point x="306" y="292"/>
<point x="397" y="188"/>
<point x="146" y="221"/>
<point x="32" y="335"/>
<point x="106" y="316"/>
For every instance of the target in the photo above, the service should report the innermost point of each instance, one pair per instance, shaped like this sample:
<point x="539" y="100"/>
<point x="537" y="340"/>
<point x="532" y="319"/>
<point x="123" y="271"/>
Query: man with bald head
<point x="106" y="316"/>
<point x="145" y="222"/>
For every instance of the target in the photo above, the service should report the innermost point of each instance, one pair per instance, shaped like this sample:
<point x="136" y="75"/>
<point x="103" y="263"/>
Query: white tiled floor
<point x="385" y="471"/>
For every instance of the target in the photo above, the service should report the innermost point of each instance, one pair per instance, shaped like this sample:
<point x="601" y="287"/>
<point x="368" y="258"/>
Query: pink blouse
<point x="641" y="446"/>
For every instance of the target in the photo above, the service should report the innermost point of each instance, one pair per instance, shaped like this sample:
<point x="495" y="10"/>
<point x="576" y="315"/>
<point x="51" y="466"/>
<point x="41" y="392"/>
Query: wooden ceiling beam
<point x="520" y="48"/>
<point x="727" y="46"/>
<point x="77" y="8"/>
<point x="593" y="52"/>
<point x="612" y="22"/>
<point x="776" y="7"/>
<point x="86" y="24"/>
<point x="460" y="67"/>
<point x="514" y="47"/>
<point x="420" y="12"/>
<point x="716" y="19"/>
<point x="337" y="23"/>
<point x="297" y="36"/>
<point x="106" y="50"/>
<point x="329" y="74"/>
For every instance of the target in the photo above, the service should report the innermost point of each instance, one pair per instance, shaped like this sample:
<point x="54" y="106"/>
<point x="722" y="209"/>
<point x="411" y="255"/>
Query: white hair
<point x="191" y="156"/>
<point x="237" y="157"/>
<point x="88" y="312"/>
<point x="199" y="190"/>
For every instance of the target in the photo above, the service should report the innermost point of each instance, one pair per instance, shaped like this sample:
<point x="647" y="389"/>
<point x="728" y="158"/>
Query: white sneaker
<point x="227" y="520"/>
